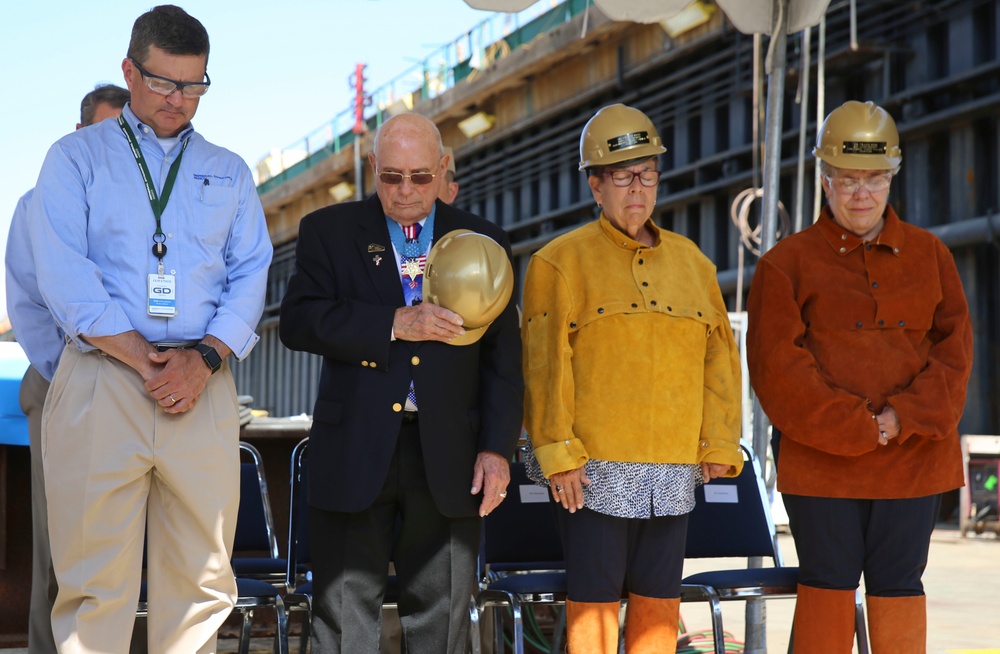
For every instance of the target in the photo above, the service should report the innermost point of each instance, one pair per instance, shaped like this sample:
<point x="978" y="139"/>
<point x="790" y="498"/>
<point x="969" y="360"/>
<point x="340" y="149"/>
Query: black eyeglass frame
<point x="611" y="174"/>
<point x="178" y="86"/>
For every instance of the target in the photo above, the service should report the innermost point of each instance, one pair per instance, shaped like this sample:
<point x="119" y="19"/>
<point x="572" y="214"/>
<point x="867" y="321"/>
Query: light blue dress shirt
<point x="36" y="331"/>
<point x="91" y="229"/>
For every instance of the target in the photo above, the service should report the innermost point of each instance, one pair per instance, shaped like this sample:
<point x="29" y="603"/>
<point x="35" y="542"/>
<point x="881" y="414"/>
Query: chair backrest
<point x="732" y="517"/>
<point x="522" y="531"/>
<point x="298" y="513"/>
<point x="254" y="523"/>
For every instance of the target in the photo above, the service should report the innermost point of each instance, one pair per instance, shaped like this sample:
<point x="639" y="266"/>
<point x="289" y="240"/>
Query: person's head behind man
<point x="408" y="162"/>
<point x="167" y="68"/>
<point x="105" y="101"/>
<point x="449" y="187"/>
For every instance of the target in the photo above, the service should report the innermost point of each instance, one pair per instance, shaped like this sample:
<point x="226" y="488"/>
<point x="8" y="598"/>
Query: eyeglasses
<point x="166" y="86"/>
<point x="415" y="178"/>
<point x="625" y="178"/>
<point x="850" y="185"/>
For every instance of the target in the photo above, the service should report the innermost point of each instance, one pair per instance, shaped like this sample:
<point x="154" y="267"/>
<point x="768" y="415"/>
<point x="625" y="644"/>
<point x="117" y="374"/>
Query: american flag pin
<point x="377" y="259"/>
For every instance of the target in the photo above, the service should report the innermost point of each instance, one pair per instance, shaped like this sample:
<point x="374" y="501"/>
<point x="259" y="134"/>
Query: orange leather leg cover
<point x="592" y="627"/>
<point x="824" y="621"/>
<point x="651" y="625"/>
<point x="897" y="625"/>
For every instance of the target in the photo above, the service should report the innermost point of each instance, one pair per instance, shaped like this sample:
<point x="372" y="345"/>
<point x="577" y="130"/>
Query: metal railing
<point x="462" y="58"/>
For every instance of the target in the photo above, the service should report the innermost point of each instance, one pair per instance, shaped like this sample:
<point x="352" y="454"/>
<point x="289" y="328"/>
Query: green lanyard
<point x="158" y="203"/>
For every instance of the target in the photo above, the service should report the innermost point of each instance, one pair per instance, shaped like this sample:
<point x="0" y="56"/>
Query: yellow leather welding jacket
<point x="628" y="353"/>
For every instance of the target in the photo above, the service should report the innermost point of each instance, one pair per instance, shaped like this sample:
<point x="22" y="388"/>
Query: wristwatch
<point x="210" y="356"/>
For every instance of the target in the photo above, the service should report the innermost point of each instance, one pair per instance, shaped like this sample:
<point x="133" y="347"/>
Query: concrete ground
<point x="962" y="583"/>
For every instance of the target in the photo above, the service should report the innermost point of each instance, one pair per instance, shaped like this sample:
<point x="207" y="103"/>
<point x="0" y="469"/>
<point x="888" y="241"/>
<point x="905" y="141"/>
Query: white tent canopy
<point x="748" y="16"/>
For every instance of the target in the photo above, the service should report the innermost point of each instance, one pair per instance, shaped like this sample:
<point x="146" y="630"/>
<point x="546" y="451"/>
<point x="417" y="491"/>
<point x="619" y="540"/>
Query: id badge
<point x="161" y="296"/>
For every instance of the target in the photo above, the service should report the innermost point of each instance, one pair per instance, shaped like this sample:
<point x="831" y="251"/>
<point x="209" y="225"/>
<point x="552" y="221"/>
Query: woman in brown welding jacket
<point x="859" y="345"/>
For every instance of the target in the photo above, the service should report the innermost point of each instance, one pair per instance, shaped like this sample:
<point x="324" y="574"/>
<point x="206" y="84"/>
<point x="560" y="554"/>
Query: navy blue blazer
<point x="340" y="303"/>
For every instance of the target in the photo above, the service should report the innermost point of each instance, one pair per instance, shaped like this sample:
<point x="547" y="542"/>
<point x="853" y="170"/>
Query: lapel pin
<point x="377" y="259"/>
<point x="375" y="247"/>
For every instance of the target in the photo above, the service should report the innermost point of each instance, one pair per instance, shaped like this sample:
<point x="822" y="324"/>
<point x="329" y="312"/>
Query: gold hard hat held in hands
<point x="469" y="273"/>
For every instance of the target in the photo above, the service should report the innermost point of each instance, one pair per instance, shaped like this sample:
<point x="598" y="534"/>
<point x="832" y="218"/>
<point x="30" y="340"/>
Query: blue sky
<point x="279" y="69"/>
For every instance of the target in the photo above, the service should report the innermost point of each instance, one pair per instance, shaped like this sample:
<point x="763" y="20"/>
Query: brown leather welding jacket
<point x="838" y="329"/>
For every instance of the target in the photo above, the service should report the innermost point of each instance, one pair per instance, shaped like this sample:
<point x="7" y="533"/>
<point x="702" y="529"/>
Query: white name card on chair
<point x="531" y="493"/>
<point x="721" y="494"/>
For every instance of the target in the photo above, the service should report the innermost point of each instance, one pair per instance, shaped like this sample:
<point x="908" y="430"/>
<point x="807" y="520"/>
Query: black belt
<point x="409" y="417"/>
<point x="174" y="345"/>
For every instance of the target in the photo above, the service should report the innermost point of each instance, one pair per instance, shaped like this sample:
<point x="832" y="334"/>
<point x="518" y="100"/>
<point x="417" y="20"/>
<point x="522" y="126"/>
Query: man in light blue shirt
<point x="42" y="341"/>
<point x="151" y="253"/>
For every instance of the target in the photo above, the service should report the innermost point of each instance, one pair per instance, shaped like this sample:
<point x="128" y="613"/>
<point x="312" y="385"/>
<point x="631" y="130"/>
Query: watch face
<point x="211" y="357"/>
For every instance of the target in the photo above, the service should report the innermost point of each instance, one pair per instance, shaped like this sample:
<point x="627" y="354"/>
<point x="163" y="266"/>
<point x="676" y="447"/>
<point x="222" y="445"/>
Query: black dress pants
<point x="607" y="555"/>
<point x="838" y="539"/>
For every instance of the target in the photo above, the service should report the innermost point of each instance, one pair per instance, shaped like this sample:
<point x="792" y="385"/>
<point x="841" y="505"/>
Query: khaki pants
<point x="117" y="467"/>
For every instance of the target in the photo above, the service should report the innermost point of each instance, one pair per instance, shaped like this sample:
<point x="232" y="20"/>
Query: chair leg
<point x="860" y="625"/>
<point x="824" y="621"/>
<point x="718" y="633"/>
<point x="557" y="633"/>
<point x="306" y="631"/>
<point x="281" y="627"/>
<point x="592" y="627"/>
<point x="898" y="624"/>
<point x="498" y="612"/>
<point x="244" y="646"/>
<point x="475" y="636"/>
<point x="515" y="609"/>
<point x="651" y="624"/>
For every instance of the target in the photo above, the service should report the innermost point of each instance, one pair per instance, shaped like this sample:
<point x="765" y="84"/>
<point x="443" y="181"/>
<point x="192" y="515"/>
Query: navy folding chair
<point x="732" y="518"/>
<point x="255" y="547"/>
<point x="521" y="559"/>
<point x="298" y="578"/>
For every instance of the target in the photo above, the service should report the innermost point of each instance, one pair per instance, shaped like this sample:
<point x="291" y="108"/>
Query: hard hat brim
<point x="470" y="336"/>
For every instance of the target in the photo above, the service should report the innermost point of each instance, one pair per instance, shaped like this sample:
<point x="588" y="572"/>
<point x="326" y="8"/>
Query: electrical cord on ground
<point x="688" y="642"/>
<point x="529" y="637"/>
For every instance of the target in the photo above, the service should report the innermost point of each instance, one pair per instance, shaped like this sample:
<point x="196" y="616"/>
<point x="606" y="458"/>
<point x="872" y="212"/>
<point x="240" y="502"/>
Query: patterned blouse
<point x="631" y="490"/>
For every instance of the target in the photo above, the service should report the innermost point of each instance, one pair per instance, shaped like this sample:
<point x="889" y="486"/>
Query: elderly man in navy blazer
<point x="411" y="435"/>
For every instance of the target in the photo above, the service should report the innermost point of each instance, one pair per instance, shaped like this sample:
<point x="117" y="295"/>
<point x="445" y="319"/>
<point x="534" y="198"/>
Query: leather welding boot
<point x="651" y="624"/>
<point x="824" y="621"/>
<point x="897" y="625"/>
<point x="592" y="627"/>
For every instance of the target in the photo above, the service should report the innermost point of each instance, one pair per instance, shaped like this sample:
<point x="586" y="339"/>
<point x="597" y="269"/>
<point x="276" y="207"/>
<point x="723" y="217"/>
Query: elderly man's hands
<point x="426" y="322"/>
<point x="491" y="473"/>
